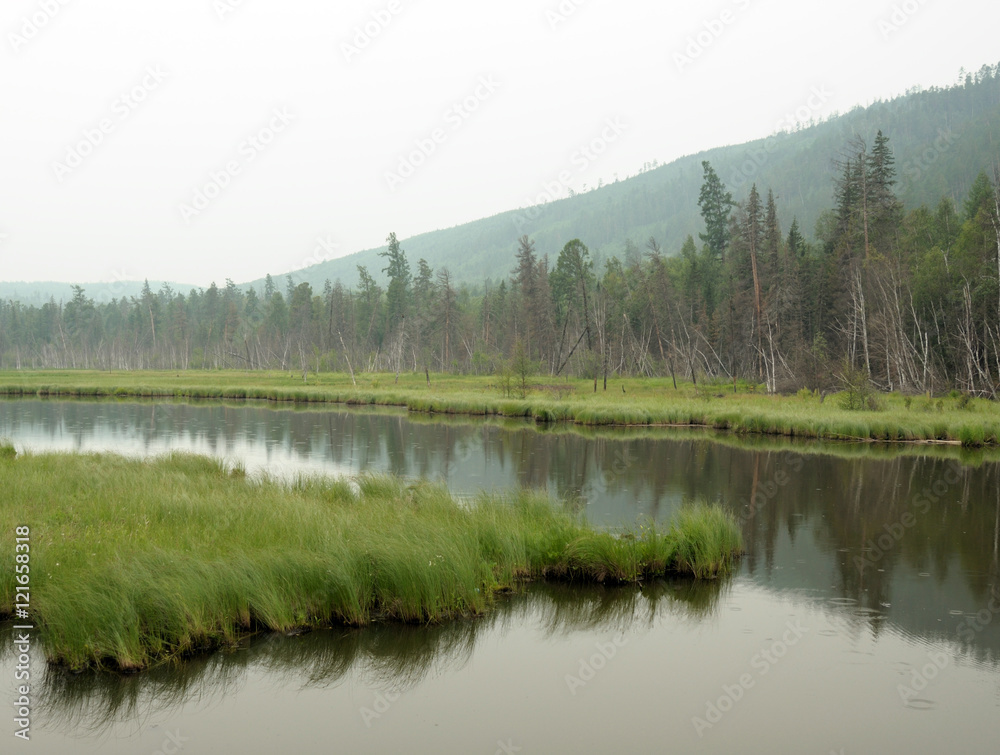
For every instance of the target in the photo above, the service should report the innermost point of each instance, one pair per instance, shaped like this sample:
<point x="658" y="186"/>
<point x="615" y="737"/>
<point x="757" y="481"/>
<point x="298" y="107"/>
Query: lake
<point x="865" y="616"/>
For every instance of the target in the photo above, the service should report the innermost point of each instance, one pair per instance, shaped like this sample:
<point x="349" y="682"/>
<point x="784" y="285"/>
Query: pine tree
<point x="796" y="244"/>
<point x="398" y="294"/>
<point x="752" y="233"/>
<point x="980" y="196"/>
<point x="885" y="209"/>
<point x="772" y="233"/>
<point x="572" y="279"/>
<point x="716" y="204"/>
<point x="526" y="285"/>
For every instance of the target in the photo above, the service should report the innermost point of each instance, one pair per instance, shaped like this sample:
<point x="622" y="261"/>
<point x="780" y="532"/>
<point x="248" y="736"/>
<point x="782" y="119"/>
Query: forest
<point x="909" y="299"/>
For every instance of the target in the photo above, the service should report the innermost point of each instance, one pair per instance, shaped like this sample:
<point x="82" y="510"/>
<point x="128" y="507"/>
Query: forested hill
<point x="941" y="139"/>
<point x="40" y="292"/>
<point x="887" y="297"/>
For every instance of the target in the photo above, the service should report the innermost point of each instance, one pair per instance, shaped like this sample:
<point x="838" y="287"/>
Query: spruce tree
<point x="398" y="293"/>
<point x="715" y="203"/>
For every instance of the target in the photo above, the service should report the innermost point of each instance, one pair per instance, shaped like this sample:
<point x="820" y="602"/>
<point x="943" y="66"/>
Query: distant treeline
<point x="911" y="298"/>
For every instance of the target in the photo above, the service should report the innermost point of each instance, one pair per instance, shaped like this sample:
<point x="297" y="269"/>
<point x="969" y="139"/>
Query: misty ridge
<point x="865" y="242"/>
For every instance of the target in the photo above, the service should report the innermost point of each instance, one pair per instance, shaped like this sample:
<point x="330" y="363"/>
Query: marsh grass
<point x="137" y="561"/>
<point x="646" y="402"/>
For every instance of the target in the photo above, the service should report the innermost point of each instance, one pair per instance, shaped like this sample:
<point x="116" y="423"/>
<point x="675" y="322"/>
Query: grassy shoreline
<point x="133" y="562"/>
<point x="628" y="402"/>
<point x="770" y="443"/>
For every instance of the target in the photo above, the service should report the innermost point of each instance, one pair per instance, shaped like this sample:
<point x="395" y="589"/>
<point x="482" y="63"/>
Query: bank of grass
<point x="643" y="402"/>
<point x="136" y="561"/>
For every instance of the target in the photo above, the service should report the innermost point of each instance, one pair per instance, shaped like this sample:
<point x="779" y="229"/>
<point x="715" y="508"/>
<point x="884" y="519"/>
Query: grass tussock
<point x="136" y="561"/>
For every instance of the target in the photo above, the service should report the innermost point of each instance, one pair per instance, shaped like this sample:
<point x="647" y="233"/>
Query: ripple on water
<point x="919" y="703"/>
<point x="842" y="601"/>
<point x="862" y="611"/>
<point x="869" y="614"/>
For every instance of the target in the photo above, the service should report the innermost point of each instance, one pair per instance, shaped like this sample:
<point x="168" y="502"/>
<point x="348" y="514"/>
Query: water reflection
<point x="390" y="657"/>
<point x="907" y="535"/>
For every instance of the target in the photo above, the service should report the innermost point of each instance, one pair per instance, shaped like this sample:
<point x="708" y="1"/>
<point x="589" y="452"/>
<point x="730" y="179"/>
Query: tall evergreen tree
<point x="398" y="294"/>
<point x="885" y="209"/>
<point x="716" y="205"/>
<point x="772" y="233"/>
<point x="572" y="279"/>
<point x="796" y="244"/>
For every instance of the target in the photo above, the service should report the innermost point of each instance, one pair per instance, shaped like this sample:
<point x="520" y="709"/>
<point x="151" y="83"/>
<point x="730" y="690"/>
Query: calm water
<point x="868" y="580"/>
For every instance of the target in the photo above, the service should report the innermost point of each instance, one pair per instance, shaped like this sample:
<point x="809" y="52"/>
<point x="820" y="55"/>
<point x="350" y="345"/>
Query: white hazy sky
<point x="93" y="186"/>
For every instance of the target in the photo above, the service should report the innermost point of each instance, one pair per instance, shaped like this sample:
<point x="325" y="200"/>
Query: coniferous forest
<point x="909" y="297"/>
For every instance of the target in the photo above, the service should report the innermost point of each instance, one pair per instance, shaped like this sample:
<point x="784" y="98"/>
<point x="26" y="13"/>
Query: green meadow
<point x="953" y="418"/>
<point x="134" y="562"/>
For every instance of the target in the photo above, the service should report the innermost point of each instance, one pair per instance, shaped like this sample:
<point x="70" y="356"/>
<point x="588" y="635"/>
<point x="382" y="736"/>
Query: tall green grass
<point x="647" y="401"/>
<point x="135" y="561"/>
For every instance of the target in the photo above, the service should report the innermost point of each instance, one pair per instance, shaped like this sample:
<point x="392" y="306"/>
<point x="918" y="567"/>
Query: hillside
<point x="942" y="138"/>
<point x="41" y="292"/>
<point x="888" y="298"/>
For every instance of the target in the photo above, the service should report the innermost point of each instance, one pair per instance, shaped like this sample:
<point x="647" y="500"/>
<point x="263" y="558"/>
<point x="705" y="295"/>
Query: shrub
<point x="858" y="393"/>
<point x="523" y="369"/>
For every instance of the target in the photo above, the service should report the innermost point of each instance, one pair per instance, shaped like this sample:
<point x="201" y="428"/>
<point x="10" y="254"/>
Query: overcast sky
<point x="199" y="140"/>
